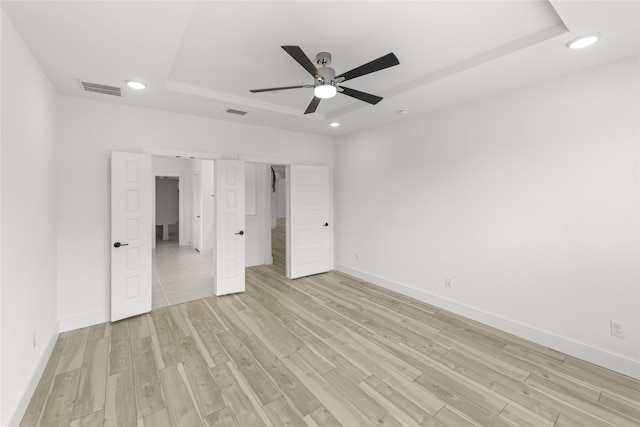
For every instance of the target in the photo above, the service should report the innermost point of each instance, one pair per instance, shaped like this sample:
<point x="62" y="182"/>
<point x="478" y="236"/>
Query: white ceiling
<point x="202" y="57"/>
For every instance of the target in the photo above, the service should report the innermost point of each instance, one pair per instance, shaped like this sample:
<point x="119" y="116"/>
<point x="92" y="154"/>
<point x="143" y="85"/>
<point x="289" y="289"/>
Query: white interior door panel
<point x="309" y="221"/>
<point x="131" y="234"/>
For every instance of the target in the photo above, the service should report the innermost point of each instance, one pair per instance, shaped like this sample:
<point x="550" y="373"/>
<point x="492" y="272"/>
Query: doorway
<point x="167" y="190"/>
<point x="180" y="273"/>
<point x="167" y="208"/>
<point x="279" y="217"/>
<point x="306" y="238"/>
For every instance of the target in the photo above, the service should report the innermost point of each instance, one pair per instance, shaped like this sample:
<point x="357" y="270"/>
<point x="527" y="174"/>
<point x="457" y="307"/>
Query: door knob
<point x="241" y="233"/>
<point x="118" y="244"/>
<point x="326" y="224"/>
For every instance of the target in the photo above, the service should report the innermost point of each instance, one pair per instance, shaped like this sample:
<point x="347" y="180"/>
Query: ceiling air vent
<point x="104" y="89"/>
<point x="237" y="112"/>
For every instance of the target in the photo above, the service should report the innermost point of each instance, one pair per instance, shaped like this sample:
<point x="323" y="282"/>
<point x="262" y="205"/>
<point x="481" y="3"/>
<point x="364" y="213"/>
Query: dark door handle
<point x="118" y="244"/>
<point x="241" y="233"/>
<point x="326" y="224"/>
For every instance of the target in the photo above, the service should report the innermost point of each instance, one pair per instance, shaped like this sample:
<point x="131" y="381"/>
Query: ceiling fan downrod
<point x="327" y="74"/>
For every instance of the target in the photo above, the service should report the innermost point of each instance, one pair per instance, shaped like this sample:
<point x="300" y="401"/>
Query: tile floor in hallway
<point x="180" y="273"/>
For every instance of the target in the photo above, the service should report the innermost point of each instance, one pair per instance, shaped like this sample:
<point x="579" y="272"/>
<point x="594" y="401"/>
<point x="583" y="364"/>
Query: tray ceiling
<point x="202" y="57"/>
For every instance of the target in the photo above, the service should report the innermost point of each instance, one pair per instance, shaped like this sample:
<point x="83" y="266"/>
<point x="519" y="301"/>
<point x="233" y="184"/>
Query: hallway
<point x="180" y="273"/>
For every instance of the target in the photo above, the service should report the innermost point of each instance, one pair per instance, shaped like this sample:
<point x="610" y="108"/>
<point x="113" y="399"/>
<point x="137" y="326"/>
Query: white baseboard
<point x="252" y="262"/>
<point x="16" y="414"/>
<point x="606" y="359"/>
<point x="84" y="320"/>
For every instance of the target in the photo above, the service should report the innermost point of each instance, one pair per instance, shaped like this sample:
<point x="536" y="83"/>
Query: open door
<point x="309" y="221"/>
<point x="131" y="234"/>
<point x="229" y="247"/>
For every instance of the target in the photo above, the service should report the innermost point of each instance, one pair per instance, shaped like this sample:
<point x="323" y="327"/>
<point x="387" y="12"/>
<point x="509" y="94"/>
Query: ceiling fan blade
<point x="389" y="60"/>
<point x="278" y="88"/>
<point x="362" y="96"/>
<point x="302" y="59"/>
<point x="312" y="105"/>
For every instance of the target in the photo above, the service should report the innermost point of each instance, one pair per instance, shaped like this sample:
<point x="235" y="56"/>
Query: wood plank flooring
<point x="326" y="350"/>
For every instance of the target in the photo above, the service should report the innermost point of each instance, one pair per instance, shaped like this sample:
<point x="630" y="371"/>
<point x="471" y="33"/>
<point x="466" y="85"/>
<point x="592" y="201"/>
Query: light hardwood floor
<point x="326" y="350"/>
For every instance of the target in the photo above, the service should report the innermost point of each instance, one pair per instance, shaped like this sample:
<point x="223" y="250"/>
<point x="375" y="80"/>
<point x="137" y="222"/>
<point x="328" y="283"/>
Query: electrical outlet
<point x="448" y="282"/>
<point x="617" y="329"/>
<point x="357" y="257"/>
<point x="34" y="339"/>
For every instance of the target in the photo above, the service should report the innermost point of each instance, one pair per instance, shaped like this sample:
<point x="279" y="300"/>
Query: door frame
<point x="268" y="218"/>
<point x="185" y="154"/>
<point x="287" y="164"/>
<point x="267" y="202"/>
<point x="211" y="155"/>
<point x="196" y="214"/>
<point x="180" y="176"/>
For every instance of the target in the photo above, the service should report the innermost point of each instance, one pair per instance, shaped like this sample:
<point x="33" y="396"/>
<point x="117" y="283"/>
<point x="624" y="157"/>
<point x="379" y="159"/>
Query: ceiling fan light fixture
<point x="325" y="91"/>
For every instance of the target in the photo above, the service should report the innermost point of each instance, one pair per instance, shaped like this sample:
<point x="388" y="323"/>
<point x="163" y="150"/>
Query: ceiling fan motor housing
<point x="328" y="74"/>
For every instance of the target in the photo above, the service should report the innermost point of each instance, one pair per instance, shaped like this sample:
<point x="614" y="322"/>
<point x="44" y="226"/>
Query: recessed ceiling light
<point x="583" y="41"/>
<point x="334" y="124"/>
<point x="403" y="111"/>
<point x="135" y="84"/>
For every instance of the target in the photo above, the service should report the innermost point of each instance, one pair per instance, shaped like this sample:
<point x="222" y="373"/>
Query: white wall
<point x="28" y="223"/>
<point x="529" y="201"/>
<point x="88" y="132"/>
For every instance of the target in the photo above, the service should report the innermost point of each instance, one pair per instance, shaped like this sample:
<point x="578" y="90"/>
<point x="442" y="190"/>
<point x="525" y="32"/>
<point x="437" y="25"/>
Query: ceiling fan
<point x="326" y="83"/>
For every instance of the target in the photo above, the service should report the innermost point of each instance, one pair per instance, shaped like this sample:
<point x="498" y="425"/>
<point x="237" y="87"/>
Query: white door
<point x="229" y="247"/>
<point x="197" y="208"/>
<point x="309" y="221"/>
<point x="131" y="234"/>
